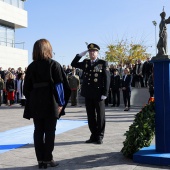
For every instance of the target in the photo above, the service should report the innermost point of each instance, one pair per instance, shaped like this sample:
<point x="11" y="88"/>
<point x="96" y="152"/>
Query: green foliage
<point x="141" y="132"/>
<point x="124" y="53"/>
<point x="117" y="53"/>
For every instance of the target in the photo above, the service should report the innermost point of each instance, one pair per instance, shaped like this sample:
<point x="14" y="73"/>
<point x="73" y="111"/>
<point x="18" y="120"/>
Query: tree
<point x="125" y="53"/>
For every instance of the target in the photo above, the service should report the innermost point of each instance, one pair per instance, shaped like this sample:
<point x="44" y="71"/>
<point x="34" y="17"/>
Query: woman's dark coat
<point x="41" y="97"/>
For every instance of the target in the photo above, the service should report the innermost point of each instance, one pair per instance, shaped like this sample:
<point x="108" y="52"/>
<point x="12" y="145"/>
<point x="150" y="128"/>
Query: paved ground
<point x="70" y="150"/>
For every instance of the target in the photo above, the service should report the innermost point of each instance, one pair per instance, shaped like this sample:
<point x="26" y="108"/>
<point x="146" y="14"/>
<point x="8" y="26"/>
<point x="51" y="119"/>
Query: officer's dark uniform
<point x="96" y="81"/>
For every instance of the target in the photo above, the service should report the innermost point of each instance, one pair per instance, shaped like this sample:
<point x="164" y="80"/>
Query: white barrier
<point x="139" y="97"/>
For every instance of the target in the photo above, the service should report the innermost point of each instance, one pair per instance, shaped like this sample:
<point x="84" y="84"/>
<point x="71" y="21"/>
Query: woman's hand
<point x="59" y="109"/>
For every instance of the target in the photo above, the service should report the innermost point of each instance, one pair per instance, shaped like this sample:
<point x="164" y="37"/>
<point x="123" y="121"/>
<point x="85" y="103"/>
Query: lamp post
<point x="155" y="23"/>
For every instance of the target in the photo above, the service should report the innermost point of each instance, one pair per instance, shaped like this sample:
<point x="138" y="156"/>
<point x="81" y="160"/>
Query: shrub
<point x="141" y="132"/>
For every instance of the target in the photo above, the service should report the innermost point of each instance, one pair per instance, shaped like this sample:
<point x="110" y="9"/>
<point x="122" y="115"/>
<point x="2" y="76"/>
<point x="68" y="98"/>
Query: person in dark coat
<point x="44" y="87"/>
<point x="95" y="86"/>
<point x="115" y="86"/>
<point x="147" y="70"/>
<point x="133" y="74"/>
<point x="139" y="75"/>
<point x="126" y="88"/>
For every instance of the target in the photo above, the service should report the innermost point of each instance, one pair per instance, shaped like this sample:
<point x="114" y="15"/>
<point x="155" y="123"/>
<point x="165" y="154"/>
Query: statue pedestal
<point x="160" y="153"/>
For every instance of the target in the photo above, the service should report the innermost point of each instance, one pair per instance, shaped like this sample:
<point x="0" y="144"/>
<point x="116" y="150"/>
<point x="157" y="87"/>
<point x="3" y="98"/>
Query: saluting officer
<point x="95" y="86"/>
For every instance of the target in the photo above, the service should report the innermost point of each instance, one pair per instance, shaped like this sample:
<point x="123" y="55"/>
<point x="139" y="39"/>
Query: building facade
<point x="12" y="17"/>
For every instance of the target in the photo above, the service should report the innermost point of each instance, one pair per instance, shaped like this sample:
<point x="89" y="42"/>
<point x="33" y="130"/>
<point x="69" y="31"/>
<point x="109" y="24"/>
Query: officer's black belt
<point x="43" y="84"/>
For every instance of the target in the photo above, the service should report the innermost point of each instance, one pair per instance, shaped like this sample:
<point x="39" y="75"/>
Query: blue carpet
<point x="18" y="137"/>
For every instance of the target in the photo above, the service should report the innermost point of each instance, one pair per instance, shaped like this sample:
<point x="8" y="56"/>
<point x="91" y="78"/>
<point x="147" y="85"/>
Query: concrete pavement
<point x="70" y="150"/>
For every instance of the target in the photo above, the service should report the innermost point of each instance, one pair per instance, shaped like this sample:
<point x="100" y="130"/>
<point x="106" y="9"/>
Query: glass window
<point x="7" y="1"/>
<point x="15" y="3"/>
<point x="2" y="35"/>
<point x="7" y="36"/>
<point x="10" y="37"/>
<point x="21" y="4"/>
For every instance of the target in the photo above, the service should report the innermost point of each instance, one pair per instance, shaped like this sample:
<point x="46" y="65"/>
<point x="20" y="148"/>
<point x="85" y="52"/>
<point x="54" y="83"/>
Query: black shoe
<point x="52" y="163"/>
<point x="112" y="105"/>
<point x="99" y="142"/>
<point x="126" y="109"/>
<point x="90" y="141"/>
<point x="40" y="165"/>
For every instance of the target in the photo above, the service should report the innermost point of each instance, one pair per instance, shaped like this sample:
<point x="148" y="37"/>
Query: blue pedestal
<point x="149" y="155"/>
<point x="157" y="154"/>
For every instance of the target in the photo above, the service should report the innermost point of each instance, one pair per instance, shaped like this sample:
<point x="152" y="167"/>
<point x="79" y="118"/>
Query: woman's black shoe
<point x="52" y="163"/>
<point x="40" y="165"/>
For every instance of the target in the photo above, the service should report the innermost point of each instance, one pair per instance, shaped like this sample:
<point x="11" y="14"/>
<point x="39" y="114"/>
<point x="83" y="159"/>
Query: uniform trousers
<point x="44" y="135"/>
<point x="96" y="117"/>
<point x="73" y="97"/>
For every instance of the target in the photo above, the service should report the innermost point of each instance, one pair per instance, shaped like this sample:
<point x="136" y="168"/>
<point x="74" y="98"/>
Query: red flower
<point x="151" y="99"/>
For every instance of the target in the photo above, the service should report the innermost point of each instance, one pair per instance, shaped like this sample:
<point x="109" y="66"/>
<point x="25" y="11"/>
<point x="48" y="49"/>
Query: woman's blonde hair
<point x="42" y="50"/>
<point x="10" y="76"/>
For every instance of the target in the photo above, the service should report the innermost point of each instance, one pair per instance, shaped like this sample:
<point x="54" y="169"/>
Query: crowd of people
<point x="11" y="86"/>
<point x="140" y="73"/>
<point x="12" y="81"/>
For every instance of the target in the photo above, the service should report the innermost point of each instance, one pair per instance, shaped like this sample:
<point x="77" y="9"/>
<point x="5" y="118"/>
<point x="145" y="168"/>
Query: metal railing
<point x="13" y="44"/>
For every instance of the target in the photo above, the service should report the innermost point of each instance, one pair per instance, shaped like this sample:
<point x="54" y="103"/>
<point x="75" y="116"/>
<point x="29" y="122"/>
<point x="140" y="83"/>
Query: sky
<point x="68" y="24"/>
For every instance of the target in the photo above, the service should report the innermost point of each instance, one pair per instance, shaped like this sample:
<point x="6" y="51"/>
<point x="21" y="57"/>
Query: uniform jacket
<point x="96" y="78"/>
<point x="115" y="83"/>
<point x="40" y="79"/>
<point x="127" y="82"/>
<point x="74" y="82"/>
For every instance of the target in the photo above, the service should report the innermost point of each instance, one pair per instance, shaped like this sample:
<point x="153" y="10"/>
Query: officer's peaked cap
<point x="93" y="46"/>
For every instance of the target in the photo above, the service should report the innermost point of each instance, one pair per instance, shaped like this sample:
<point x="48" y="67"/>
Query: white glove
<point x="83" y="53"/>
<point x="103" y="97"/>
